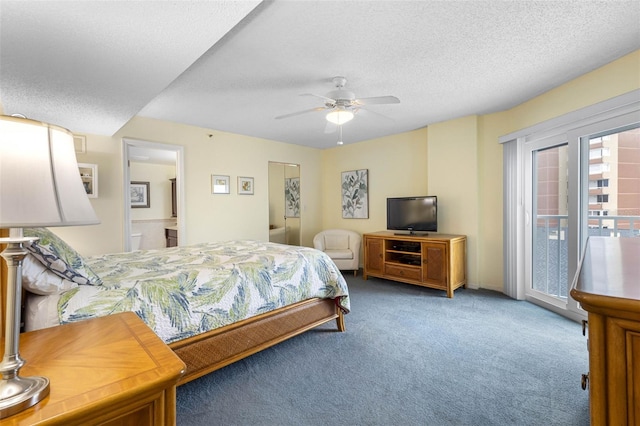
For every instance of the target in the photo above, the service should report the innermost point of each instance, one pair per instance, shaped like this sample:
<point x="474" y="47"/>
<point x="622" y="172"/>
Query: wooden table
<point x="608" y="288"/>
<point x="112" y="370"/>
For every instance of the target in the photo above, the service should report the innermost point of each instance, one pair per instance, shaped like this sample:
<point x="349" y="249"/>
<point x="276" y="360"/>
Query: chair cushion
<point x="336" y="242"/>
<point x="339" y="254"/>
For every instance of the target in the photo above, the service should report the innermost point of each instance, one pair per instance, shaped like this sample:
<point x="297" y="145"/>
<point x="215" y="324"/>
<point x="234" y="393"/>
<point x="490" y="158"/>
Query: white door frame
<point x="180" y="199"/>
<point x="516" y="219"/>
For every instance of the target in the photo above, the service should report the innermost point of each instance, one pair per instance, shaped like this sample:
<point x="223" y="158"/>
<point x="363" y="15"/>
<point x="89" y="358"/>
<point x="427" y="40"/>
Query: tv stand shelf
<point x="435" y="260"/>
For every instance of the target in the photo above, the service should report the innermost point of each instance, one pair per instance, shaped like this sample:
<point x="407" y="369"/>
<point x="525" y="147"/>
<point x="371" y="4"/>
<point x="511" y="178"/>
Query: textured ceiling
<point x="235" y="66"/>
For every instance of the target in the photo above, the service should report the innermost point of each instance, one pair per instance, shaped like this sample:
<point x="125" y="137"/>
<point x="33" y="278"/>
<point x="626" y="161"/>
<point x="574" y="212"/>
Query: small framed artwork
<point x="245" y="185"/>
<point x="219" y="184"/>
<point x="355" y="194"/>
<point x="140" y="195"/>
<point x="89" y="177"/>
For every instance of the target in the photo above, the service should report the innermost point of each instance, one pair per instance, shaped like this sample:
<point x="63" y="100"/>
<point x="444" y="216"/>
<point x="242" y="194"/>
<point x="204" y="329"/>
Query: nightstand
<point x="111" y="371"/>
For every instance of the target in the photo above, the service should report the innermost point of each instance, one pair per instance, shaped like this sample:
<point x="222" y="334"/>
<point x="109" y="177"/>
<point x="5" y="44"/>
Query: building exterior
<point x="614" y="182"/>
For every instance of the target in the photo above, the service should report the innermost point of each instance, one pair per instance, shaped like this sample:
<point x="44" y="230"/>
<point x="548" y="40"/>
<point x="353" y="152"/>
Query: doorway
<point x="151" y="156"/>
<point x="284" y="203"/>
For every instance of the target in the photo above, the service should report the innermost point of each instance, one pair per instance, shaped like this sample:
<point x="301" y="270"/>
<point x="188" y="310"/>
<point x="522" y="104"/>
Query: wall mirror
<point x="284" y="203"/>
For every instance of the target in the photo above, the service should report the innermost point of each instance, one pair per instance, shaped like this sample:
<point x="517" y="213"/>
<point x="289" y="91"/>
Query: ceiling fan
<point x="342" y="104"/>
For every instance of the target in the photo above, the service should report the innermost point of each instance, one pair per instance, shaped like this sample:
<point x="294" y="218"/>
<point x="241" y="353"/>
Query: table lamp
<point x="40" y="186"/>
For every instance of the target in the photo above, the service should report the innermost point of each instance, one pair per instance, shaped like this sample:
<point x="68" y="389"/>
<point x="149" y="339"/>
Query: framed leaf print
<point x="355" y="194"/>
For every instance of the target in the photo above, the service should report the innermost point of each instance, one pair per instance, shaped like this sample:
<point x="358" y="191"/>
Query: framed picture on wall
<point x="89" y="176"/>
<point x="245" y="185"/>
<point x="292" y="197"/>
<point x="140" y="195"/>
<point x="219" y="184"/>
<point x="355" y="194"/>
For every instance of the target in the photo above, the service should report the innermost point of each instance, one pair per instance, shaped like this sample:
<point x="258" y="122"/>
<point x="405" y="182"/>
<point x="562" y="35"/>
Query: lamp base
<point x="20" y="393"/>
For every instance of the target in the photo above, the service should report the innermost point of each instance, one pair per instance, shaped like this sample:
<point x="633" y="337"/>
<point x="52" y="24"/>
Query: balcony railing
<point x="614" y="226"/>
<point x="551" y="248"/>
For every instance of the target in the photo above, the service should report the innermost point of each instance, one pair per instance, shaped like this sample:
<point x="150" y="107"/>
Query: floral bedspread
<point x="184" y="291"/>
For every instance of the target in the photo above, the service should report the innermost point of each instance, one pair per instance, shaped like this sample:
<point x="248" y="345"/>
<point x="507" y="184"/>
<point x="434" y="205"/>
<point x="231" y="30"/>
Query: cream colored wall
<point x="397" y="167"/>
<point x="464" y="162"/>
<point x="107" y="236"/>
<point x="208" y="217"/>
<point x="489" y="244"/>
<point x="453" y="177"/>
<point x="158" y="176"/>
<point x="221" y="217"/>
<point x="616" y="78"/>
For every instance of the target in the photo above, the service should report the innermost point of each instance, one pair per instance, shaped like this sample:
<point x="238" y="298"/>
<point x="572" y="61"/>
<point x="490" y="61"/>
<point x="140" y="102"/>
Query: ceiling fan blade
<point x="324" y="98"/>
<point x="301" y="112"/>
<point x="377" y="100"/>
<point x="367" y="113"/>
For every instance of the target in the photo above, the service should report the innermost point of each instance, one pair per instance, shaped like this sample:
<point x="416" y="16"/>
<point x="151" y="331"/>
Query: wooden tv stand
<point x="435" y="260"/>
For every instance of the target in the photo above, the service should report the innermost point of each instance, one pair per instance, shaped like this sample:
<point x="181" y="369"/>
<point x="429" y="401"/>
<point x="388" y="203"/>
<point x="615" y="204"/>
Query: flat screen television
<point x="413" y="214"/>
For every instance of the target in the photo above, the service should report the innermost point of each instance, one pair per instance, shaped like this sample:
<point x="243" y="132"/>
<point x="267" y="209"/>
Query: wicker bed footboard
<point x="211" y="351"/>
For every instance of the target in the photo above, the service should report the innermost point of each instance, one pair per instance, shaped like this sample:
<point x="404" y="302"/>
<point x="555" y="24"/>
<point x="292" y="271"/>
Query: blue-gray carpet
<point x="410" y="356"/>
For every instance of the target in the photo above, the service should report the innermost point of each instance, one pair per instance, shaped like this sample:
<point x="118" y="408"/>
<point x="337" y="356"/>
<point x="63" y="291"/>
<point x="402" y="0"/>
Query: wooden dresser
<point x="608" y="288"/>
<point x="104" y="371"/>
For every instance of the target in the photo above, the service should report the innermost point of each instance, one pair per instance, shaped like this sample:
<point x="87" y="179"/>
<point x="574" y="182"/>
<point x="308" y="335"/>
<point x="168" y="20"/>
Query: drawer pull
<point x="585" y="381"/>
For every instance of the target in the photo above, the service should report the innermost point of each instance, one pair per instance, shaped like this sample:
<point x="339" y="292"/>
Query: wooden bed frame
<point x="217" y="348"/>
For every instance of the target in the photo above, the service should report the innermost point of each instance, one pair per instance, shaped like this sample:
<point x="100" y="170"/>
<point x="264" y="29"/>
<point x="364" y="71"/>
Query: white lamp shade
<point x="339" y="116"/>
<point x="40" y="183"/>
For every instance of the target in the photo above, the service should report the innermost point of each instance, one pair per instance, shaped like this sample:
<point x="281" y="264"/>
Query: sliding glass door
<point x="550" y="222"/>
<point x="584" y="182"/>
<point x="612" y="184"/>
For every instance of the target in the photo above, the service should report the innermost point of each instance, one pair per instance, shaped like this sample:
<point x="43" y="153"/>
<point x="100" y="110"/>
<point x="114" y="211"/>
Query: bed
<point x="212" y="303"/>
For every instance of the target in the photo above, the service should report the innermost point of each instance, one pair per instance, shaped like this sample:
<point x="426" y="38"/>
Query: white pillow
<point x="40" y="280"/>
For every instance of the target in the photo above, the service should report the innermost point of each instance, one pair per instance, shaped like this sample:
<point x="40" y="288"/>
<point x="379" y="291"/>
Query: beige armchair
<point x="342" y="246"/>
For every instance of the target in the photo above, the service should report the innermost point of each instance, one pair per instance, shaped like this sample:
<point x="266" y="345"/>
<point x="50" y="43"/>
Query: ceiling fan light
<point x="339" y="116"/>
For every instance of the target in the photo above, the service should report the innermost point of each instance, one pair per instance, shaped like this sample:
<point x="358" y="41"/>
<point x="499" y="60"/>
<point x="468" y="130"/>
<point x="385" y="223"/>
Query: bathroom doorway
<point x="154" y="172"/>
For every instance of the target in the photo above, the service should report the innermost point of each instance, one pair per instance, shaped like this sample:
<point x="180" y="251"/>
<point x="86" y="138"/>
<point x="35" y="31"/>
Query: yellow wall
<point x="397" y="167"/>
<point x="208" y="217"/>
<point x="158" y="176"/>
<point x="489" y="238"/>
<point x="616" y="78"/>
<point x="107" y="236"/>
<point x="462" y="165"/>
<point x="459" y="160"/>
<point x="453" y="177"/>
